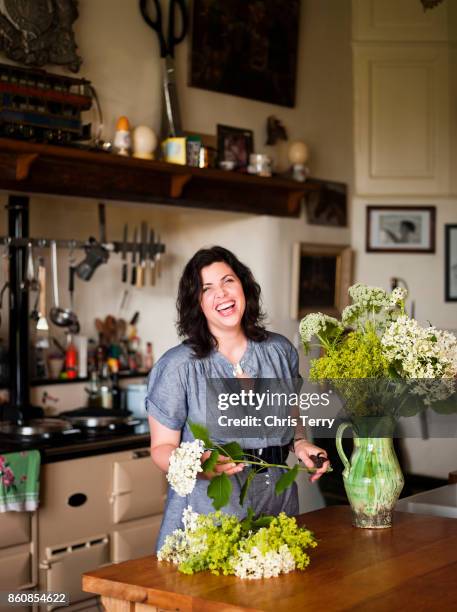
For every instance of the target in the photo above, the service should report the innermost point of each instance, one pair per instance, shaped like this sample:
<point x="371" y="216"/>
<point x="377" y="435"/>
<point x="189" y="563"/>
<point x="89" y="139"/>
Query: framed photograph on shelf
<point x="321" y="277"/>
<point x="450" y="281"/>
<point x="234" y="145"/>
<point x="400" y="229"/>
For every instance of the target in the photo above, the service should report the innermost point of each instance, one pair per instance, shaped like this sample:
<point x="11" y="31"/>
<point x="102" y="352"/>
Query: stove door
<point x="63" y="566"/>
<point x="139" y="488"/>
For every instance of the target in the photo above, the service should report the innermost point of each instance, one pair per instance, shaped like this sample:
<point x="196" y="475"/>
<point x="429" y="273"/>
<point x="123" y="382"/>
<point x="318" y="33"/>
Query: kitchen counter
<point x="79" y="445"/>
<point x="410" y="566"/>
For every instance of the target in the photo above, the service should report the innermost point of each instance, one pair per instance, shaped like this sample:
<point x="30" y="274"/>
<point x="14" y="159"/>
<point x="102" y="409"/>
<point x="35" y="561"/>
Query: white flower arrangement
<point x="378" y="344"/>
<point x="185" y="464"/>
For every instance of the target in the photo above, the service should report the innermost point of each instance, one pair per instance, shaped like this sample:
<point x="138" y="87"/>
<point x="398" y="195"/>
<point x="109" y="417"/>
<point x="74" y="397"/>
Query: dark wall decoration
<point x="39" y="32"/>
<point x="247" y="48"/>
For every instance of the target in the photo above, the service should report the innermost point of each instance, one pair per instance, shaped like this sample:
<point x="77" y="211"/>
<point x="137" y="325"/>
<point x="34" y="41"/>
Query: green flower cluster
<point x="220" y="534"/>
<point x="358" y="355"/>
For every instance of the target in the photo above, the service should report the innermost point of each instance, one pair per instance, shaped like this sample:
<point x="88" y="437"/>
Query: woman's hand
<point x="224" y="465"/>
<point x="303" y="450"/>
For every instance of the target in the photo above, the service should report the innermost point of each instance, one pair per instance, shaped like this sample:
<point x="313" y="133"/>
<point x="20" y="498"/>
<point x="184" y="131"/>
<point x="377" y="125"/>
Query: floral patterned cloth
<point x="19" y="481"/>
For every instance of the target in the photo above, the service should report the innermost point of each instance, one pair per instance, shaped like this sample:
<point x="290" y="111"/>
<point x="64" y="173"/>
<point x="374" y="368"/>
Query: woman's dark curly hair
<point x="192" y="323"/>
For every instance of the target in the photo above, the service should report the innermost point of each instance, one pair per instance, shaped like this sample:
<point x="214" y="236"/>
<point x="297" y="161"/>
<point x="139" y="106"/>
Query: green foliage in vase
<point x="354" y="355"/>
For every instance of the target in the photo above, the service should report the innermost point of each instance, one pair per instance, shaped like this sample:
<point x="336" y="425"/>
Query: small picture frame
<point x="234" y="145"/>
<point x="321" y="277"/>
<point x="450" y="280"/>
<point x="326" y="203"/>
<point x="400" y="229"/>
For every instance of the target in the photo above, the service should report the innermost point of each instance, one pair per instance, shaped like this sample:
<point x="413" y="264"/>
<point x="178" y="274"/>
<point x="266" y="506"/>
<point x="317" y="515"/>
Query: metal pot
<point x="99" y="418"/>
<point x="43" y="428"/>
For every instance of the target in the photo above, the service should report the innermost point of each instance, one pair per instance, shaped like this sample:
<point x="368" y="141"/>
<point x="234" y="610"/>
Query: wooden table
<point x="412" y="566"/>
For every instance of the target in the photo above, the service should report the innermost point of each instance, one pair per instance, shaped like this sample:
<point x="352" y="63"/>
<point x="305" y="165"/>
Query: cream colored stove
<point x="93" y="511"/>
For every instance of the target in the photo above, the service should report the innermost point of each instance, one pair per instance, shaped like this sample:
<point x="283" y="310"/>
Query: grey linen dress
<point x="176" y="394"/>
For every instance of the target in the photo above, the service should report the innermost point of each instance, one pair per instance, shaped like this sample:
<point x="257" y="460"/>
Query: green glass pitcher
<point x="372" y="478"/>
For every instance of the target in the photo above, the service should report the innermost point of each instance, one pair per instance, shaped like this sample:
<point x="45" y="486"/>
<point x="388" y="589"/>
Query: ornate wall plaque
<point x="39" y="32"/>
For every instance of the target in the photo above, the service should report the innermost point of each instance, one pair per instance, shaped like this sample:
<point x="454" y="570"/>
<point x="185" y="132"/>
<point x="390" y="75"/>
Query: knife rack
<point x="19" y="407"/>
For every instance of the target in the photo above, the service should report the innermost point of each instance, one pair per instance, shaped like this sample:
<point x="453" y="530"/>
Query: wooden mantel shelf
<point x="39" y="168"/>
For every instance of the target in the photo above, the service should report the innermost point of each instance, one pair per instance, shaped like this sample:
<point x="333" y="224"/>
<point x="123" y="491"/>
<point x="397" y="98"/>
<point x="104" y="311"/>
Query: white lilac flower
<point x="190" y="519"/>
<point x="254" y="564"/>
<point x="184" y="466"/>
<point x="182" y="543"/>
<point x="318" y="324"/>
<point x="175" y="548"/>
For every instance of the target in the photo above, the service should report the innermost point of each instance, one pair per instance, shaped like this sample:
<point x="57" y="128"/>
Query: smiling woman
<point x="220" y="319"/>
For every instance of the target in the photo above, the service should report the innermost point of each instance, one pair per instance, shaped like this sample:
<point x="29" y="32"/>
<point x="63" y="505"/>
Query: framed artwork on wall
<point x="326" y="204"/>
<point x="400" y="229"/>
<point x="246" y="48"/>
<point x="234" y="145"/>
<point x="450" y="279"/>
<point x="321" y="277"/>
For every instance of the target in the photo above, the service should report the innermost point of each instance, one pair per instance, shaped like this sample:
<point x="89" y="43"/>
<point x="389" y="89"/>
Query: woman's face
<point x="222" y="299"/>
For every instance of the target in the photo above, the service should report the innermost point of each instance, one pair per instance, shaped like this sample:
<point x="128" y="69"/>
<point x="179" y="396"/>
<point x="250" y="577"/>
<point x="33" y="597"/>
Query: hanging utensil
<point x="59" y="316"/>
<point x="42" y="323"/>
<point x="124" y="254"/>
<point x="152" y="262"/>
<point x="134" y="250"/>
<point x="31" y="282"/>
<point x="171" y="119"/>
<point x="158" y="258"/>
<point x="143" y="254"/>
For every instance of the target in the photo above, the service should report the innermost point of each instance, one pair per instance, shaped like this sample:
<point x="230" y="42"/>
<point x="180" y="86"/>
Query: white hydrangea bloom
<point x="254" y="564"/>
<point x="184" y="466"/>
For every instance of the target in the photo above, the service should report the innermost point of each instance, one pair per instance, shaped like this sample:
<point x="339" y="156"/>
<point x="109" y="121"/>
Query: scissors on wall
<point x="171" y="118"/>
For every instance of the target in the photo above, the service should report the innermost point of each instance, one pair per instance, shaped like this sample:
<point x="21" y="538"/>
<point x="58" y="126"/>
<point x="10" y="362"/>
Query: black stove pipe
<point x="18" y="227"/>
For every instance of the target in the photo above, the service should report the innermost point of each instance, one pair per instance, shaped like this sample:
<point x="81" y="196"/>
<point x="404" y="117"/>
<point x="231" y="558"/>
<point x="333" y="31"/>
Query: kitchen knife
<point x="152" y="263"/>
<point x="158" y="258"/>
<point x="102" y="222"/>
<point x="134" y="250"/>
<point x="143" y="254"/>
<point x="124" y="254"/>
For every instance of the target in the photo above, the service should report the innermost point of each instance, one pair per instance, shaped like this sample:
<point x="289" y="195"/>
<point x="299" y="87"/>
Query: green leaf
<point x="286" y="480"/>
<point x="245" y="487"/>
<point x="246" y="523"/>
<point x="220" y="490"/>
<point x="201" y="433"/>
<point x="262" y="521"/>
<point x="210" y="463"/>
<point x="233" y="450"/>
